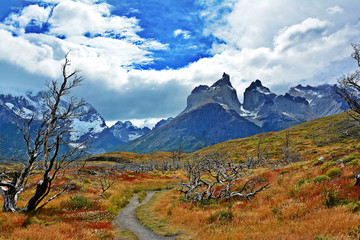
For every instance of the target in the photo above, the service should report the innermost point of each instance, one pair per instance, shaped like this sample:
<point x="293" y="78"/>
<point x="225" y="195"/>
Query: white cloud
<point x="32" y="14"/>
<point x="182" y="33"/>
<point x="76" y="18"/>
<point x="334" y="10"/>
<point x="303" y="35"/>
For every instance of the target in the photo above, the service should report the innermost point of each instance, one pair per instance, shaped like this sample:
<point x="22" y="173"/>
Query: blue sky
<point x="141" y="58"/>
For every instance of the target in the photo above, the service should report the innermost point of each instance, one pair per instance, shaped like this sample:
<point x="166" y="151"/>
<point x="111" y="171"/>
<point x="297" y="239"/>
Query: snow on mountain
<point x="322" y="99"/>
<point x="126" y="131"/>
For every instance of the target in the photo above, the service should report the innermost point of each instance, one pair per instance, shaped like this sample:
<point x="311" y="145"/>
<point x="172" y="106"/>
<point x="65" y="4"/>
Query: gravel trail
<point x="127" y="220"/>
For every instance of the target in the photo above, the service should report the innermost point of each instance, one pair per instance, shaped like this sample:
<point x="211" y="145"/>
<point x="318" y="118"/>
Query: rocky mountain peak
<point x="225" y="80"/>
<point x="220" y="92"/>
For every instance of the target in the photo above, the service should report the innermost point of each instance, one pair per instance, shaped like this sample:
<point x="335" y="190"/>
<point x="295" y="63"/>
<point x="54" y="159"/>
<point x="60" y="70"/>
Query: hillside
<point x="314" y="198"/>
<point x="311" y="139"/>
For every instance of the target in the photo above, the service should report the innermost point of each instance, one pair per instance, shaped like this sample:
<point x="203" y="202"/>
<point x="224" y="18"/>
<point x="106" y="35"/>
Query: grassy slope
<point x="307" y="200"/>
<point x="312" y="139"/>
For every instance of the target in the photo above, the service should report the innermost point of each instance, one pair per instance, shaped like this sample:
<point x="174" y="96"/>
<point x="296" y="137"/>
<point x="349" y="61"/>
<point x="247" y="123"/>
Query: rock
<point x="339" y="161"/>
<point x="321" y="159"/>
<point x="357" y="176"/>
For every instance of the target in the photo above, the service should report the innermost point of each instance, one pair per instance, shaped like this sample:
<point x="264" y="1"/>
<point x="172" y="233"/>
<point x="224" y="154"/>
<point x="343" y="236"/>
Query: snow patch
<point x="263" y="90"/>
<point x="133" y="136"/>
<point x="9" y="105"/>
<point x="81" y="127"/>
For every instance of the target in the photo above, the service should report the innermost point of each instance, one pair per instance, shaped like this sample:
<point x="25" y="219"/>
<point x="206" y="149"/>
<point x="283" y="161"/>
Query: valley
<point x="316" y="190"/>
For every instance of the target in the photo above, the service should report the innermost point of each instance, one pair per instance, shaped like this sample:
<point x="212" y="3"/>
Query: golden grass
<point x="288" y="210"/>
<point x="60" y="220"/>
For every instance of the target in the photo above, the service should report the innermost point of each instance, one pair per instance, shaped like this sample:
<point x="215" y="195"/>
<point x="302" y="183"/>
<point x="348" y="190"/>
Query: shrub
<point x="78" y="202"/>
<point x="327" y="164"/>
<point x="300" y="181"/>
<point x="320" y="178"/>
<point x="353" y="206"/>
<point x="350" y="157"/>
<point x="354" y="162"/>
<point x="331" y="198"/>
<point x="334" y="172"/>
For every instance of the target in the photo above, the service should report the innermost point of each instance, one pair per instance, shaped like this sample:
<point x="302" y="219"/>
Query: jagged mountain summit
<point x="214" y="114"/>
<point x="220" y="92"/>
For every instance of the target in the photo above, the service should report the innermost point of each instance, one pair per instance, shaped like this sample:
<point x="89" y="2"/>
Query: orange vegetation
<point x="81" y="213"/>
<point x="294" y="207"/>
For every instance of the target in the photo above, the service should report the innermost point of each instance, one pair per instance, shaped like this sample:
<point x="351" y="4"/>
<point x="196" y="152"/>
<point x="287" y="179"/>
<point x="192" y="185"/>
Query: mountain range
<point x="213" y="114"/>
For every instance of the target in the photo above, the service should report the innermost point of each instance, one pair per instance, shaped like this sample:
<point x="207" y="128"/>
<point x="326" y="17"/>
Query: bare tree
<point x="349" y="86"/>
<point x="349" y="91"/>
<point x="260" y="158"/>
<point x="47" y="144"/>
<point x="214" y="177"/>
<point x="102" y="178"/>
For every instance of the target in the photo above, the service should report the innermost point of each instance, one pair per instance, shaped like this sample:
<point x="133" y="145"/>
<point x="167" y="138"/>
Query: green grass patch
<point x="334" y="172"/>
<point x="320" y="178"/>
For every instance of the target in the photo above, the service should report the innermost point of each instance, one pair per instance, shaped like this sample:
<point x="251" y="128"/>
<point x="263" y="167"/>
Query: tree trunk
<point x="41" y="192"/>
<point x="9" y="204"/>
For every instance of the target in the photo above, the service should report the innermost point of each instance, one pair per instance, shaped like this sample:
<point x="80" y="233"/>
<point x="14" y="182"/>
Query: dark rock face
<point x="206" y="125"/>
<point x="162" y="122"/>
<point x="212" y="115"/>
<point x="272" y="112"/>
<point x="256" y="95"/>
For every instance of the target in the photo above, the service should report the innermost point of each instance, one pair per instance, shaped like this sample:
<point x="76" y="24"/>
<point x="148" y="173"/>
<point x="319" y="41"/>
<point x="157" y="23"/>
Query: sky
<point x="141" y="59"/>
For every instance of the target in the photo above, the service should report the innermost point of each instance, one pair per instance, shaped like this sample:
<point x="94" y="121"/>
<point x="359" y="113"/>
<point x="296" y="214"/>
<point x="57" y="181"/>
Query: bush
<point x="350" y="157"/>
<point x="78" y="202"/>
<point x="300" y="181"/>
<point x="321" y="178"/>
<point x="354" y="162"/>
<point x="327" y="164"/>
<point x="334" y="172"/>
<point x="353" y="206"/>
<point x="331" y="198"/>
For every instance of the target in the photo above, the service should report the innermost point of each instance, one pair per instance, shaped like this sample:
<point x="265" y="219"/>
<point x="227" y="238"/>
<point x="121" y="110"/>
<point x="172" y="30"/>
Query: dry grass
<point x="81" y="213"/>
<point x="294" y="207"/>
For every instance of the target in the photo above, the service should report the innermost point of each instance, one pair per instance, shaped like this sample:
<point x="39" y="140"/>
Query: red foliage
<point x="100" y="225"/>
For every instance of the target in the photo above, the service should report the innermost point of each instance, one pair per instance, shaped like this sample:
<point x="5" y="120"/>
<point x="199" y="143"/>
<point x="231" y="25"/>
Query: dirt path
<point x="127" y="220"/>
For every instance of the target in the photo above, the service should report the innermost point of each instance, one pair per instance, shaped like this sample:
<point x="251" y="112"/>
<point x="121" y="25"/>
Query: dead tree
<point x="260" y="158"/>
<point x="349" y="86"/>
<point x="214" y="176"/>
<point x="47" y="144"/>
<point x="101" y="178"/>
<point x="289" y="153"/>
<point x="349" y="91"/>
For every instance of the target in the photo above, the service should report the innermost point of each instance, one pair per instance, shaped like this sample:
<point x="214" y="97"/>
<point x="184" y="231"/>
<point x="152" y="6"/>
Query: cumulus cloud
<point x="30" y="15"/>
<point x="302" y="35"/>
<point x="182" y="33"/>
<point x="280" y="42"/>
